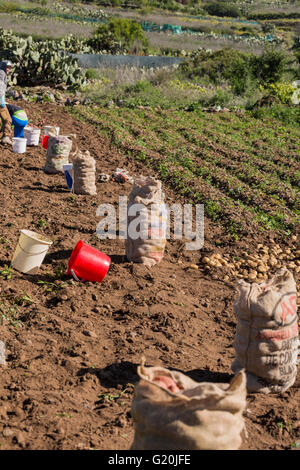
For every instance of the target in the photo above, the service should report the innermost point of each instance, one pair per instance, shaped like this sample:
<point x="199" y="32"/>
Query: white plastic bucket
<point x="19" y="144"/>
<point x="32" y="135"/>
<point x="51" y="130"/>
<point x="30" y="252"/>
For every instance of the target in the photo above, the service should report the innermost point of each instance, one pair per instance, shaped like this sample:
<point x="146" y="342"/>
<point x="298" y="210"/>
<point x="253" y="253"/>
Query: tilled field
<point x="245" y="171"/>
<point x="73" y="348"/>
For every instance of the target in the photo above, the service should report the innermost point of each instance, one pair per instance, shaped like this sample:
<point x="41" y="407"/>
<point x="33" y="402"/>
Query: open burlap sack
<point x="84" y="174"/>
<point x="266" y="340"/>
<point x="147" y="250"/>
<point x="58" y="151"/>
<point x="201" y="416"/>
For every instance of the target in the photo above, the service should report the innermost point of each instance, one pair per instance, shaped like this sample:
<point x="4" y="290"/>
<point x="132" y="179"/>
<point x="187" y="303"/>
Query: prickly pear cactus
<point x="44" y="62"/>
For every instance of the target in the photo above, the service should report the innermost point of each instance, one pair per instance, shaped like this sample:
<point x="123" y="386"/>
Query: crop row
<point x="275" y="180"/>
<point x="248" y="178"/>
<point x="266" y="182"/>
<point x="237" y="133"/>
<point x="241" y="165"/>
<point x="237" y="190"/>
<point x="241" y="133"/>
<point x="226" y="198"/>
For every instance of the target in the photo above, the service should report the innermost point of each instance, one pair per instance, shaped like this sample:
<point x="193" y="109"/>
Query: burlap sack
<point x="266" y="340"/>
<point x="58" y="151"/>
<point x="84" y="174"/>
<point x="202" y="416"/>
<point x="149" y="251"/>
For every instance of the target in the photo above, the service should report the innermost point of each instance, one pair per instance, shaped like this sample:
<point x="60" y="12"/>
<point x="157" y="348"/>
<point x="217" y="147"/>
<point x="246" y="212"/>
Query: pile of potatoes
<point x="259" y="266"/>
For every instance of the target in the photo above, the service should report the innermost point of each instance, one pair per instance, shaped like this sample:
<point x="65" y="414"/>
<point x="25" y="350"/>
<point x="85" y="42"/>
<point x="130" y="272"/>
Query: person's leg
<point x="19" y="125"/>
<point x="6" y="125"/>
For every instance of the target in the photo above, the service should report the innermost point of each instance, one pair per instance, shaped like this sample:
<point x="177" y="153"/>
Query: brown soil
<point x="72" y="353"/>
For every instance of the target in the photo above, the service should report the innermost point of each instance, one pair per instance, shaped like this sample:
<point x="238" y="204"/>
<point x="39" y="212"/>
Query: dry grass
<point x="186" y="22"/>
<point x="48" y="28"/>
<point x="292" y="8"/>
<point x="190" y="43"/>
<point x="124" y="75"/>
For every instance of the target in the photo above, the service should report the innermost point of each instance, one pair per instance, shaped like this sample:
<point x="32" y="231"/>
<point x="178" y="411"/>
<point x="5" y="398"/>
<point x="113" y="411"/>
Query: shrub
<point x="269" y="67"/>
<point x="283" y="91"/>
<point x="226" y="64"/>
<point x="268" y="28"/>
<point x="118" y="35"/>
<point x="139" y="86"/>
<point x="220" y="98"/>
<point x="92" y="74"/>
<point x="296" y="44"/>
<point x="221" y="9"/>
<point x="8" y="7"/>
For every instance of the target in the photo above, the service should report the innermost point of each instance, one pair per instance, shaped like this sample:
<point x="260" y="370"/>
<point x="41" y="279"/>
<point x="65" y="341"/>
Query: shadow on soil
<point x="78" y="229"/>
<point x="56" y="189"/>
<point x="123" y="373"/>
<point x="118" y="259"/>
<point x="4" y="263"/>
<point x="58" y="255"/>
<point x="114" y="375"/>
<point x="200" y="375"/>
<point x="33" y="168"/>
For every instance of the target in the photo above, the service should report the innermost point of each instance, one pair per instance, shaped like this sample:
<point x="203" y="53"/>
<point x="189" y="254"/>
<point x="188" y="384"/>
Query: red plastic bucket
<point x="87" y="263"/>
<point x="45" y="142"/>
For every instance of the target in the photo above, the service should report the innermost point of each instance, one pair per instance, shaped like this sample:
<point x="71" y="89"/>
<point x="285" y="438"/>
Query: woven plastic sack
<point x="200" y="416"/>
<point x="84" y="174"/>
<point x="266" y="340"/>
<point x="58" y="151"/>
<point x="121" y="176"/>
<point x="148" y="249"/>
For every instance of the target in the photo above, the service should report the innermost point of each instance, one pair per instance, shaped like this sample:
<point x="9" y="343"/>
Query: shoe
<point x="6" y="140"/>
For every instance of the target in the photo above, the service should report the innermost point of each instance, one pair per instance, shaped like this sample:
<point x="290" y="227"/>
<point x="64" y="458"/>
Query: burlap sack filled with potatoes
<point x="58" y="151"/>
<point x="172" y="412"/>
<point x="148" y="250"/>
<point x="84" y="174"/>
<point x="266" y="340"/>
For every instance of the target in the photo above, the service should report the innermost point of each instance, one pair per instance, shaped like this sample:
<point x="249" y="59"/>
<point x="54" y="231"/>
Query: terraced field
<point x="245" y="171"/>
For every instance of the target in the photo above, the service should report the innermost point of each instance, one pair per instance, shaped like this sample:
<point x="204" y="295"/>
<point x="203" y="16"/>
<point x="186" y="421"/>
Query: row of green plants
<point x="265" y="181"/>
<point x="229" y="196"/>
